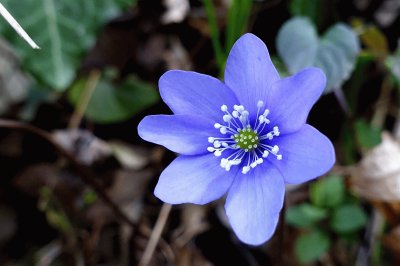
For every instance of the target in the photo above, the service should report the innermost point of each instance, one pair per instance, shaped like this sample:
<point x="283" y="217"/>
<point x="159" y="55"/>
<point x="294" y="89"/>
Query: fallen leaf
<point x="177" y="11"/>
<point x="377" y="177"/>
<point x="130" y="157"/>
<point x="13" y="83"/>
<point x="85" y="146"/>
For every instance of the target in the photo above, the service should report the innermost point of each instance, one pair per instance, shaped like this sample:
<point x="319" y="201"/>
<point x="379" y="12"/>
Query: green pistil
<point x="246" y="139"/>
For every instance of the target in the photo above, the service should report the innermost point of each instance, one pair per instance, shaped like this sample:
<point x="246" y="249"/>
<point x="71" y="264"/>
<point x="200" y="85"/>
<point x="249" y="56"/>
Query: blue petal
<point x="306" y="155"/>
<point x="184" y="134"/>
<point x="249" y="71"/>
<point x="254" y="202"/>
<point x="197" y="94"/>
<point x="291" y="99"/>
<point x="193" y="179"/>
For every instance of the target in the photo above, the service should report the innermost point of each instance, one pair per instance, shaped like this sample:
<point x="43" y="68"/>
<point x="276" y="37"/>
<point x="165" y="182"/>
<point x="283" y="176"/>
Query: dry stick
<point x="155" y="234"/>
<point x="11" y="20"/>
<point x="85" y="174"/>
<point x="80" y="109"/>
<point x="382" y="105"/>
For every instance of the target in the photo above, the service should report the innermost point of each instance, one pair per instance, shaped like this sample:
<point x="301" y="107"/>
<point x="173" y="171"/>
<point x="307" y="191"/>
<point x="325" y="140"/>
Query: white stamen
<point x="245" y="169"/>
<point x="217" y="144"/>
<point x="249" y="143"/>
<point x="275" y="149"/>
<point x="217" y="125"/>
<point x="276" y="131"/>
<point x="227" y="118"/>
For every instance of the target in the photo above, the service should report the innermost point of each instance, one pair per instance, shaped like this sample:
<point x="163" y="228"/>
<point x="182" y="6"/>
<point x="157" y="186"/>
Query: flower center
<point x="246" y="144"/>
<point x="246" y="139"/>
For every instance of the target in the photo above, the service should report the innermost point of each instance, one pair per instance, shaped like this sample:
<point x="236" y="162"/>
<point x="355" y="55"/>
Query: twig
<point x="156" y="234"/>
<point x="342" y="101"/>
<point x="10" y="19"/>
<point x="85" y="174"/>
<point x="86" y="95"/>
<point x="382" y="105"/>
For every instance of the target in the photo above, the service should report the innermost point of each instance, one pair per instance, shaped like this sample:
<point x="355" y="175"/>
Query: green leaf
<point x="113" y="103"/>
<point x="367" y="136"/>
<point x="348" y="218"/>
<point x="309" y="247"/>
<point x="304" y="215"/>
<point x="306" y="8"/>
<point x="63" y="29"/>
<point x="328" y="192"/>
<point x="335" y="52"/>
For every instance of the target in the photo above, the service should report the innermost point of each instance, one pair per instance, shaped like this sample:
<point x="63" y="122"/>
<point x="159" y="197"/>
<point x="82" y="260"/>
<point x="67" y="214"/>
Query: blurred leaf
<point x="367" y="136"/>
<point x="54" y="214"/>
<point x="306" y="8"/>
<point x="304" y="215"/>
<point x="238" y="17"/>
<point x="328" y="192"/>
<point x="335" y="52"/>
<point x="63" y="29"/>
<point x="311" y="246"/>
<point x="393" y="64"/>
<point x="88" y="197"/>
<point x="372" y="37"/>
<point x="348" y="218"/>
<point x="112" y="103"/>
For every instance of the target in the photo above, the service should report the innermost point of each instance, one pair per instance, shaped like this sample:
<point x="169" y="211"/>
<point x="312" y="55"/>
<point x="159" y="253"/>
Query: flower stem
<point x="214" y="32"/>
<point x="342" y="101"/>
<point x="155" y="234"/>
<point x="86" y="95"/>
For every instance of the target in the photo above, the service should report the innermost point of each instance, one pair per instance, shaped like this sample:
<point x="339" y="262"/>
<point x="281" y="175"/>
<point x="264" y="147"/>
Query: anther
<point x="227" y="118"/>
<point x="275" y="149"/>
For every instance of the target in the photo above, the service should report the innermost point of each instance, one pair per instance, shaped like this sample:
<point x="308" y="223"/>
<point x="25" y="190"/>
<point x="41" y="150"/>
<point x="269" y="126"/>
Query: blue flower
<point x="246" y="137"/>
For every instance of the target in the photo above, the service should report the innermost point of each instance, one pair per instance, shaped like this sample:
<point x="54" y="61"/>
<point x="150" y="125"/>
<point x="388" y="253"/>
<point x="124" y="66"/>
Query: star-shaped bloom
<point x="245" y="137"/>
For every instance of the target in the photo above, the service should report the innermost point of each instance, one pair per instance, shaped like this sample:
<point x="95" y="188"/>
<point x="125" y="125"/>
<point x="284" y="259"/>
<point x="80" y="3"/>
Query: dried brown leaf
<point x="34" y="177"/>
<point x="86" y="147"/>
<point x="128" y="156"/>
<point x="13" y="83"/>
<point x="392" y="241"/>
<point x="189" y="255"/>
<point x="126" y="191"/>
<point x="377" y="177"/>
<point x="177" y="11"/>
<point x="194" y="222"/>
